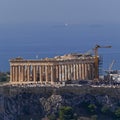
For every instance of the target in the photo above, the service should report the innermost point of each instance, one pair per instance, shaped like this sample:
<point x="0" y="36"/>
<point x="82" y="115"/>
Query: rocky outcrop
<point x="26" y="105"/>
<point x="52" y="104"/>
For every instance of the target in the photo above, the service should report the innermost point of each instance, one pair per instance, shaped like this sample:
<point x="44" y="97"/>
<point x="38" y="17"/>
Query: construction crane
<point x="112" y="75"/>
<point x="97" y="60"/>
<point x="111" y="65"/>
<point x="110" y="68"/>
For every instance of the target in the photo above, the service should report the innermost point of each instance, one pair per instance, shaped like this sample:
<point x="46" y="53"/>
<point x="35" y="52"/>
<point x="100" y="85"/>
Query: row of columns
<point x="51" y="73"/>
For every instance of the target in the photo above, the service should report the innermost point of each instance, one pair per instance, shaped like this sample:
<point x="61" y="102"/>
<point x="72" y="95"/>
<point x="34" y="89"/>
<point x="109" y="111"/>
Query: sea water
<point x="36" y="41"/>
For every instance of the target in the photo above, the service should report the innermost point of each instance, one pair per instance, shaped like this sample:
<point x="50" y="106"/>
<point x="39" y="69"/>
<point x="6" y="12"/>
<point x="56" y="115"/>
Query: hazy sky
<point x="59" y="11"/>
<point x="22" y="28"/>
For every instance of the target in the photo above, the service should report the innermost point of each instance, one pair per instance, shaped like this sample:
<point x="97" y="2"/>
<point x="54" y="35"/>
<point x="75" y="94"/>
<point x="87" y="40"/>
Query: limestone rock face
<point x="23" y="104"/>
<point x="30" y="105"/>
<point x="52" y="104"/>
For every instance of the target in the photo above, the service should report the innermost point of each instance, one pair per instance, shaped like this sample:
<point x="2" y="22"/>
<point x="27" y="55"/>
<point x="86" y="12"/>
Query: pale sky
<point x="22" y="28"/>
<point x="59" y="11"/>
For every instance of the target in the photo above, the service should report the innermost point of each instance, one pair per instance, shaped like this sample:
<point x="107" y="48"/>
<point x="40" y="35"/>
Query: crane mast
<point x="97" y="60"/>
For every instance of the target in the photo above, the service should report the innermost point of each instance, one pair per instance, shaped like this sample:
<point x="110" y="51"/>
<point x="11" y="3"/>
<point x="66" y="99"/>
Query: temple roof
<point x="70" y="56"/>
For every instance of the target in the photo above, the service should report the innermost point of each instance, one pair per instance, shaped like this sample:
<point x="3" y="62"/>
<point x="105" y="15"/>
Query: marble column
<point x="83" y="73"/>
<point x="12" y="76"/>
<point x="69" y="73"/>
<point x="72" y="72"/>
<point x="28" y="73"/>
<point x="40" y="71"/>
<point x="15" y="73"/>
<point x="66" y="72"/>
<point x="46" y="73"/>
<point x="74" y="69"/>
<point x="22" y="73"/>
<point x="57" y="72"/>
<point x="88" y="76"/>
<point x="19" y="75"/>
<point x="11" y="73"/>
<point x="77" y="72"/>
<point x="34" y="74"/>
<point x="60" y="73"/>
<point x="88" y="69"/>
<point x="63" y="72"/>
<point x="52" y="75"/>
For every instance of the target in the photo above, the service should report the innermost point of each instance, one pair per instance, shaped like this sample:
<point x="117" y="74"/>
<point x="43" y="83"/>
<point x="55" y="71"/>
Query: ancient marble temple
<point x="52" y="70"/>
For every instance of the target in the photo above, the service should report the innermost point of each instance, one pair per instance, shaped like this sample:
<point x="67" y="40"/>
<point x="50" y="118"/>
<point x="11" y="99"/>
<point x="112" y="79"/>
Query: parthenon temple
<point x="52" y="70"/>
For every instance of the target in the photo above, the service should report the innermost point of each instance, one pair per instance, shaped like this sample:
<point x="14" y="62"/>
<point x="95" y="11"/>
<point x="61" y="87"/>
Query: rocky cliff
<point x="36" y="103"/>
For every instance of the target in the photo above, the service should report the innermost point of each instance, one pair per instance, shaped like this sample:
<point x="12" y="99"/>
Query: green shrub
<point x="66" y="113"/>
<point x="117" y="113"/>
<point x="92" y="108"/>
<point x="105" y="109"/>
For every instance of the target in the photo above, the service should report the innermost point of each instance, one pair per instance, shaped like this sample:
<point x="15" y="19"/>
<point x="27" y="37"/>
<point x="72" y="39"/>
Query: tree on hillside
<point x="117" y="113"/>
<point x="66" y="113"/>
<point x="92" y="108"/>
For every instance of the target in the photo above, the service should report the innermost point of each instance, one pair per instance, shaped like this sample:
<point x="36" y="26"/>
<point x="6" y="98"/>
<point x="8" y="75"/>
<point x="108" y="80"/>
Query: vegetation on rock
<point x="39" y="103"/>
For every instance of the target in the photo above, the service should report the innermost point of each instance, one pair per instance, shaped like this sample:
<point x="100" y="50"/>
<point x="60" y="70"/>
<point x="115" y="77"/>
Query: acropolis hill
<point x="24" y="103"/>
<point x="35" y="90"/>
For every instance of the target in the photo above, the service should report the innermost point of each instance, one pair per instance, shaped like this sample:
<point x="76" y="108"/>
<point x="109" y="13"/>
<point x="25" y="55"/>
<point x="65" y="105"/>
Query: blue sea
<point x="34" y="41"/>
